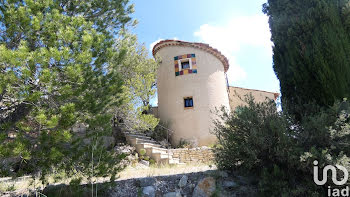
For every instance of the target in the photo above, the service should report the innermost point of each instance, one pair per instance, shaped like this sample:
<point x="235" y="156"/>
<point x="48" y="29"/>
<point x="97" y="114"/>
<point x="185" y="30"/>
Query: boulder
<point x="183" y="181"/>
<point x="149" y="191"/>
<point x="144" y="162"/>
<point x="144" y="182"/>
<point x="205" y="188"/>
<point x="223" y="174"/>
<point x="172" y="194"/>
<point x="229" y="184"/>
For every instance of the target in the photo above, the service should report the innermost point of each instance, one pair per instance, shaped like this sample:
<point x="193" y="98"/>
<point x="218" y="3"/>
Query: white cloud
<point x="243" y="31"/>
<point x="154" y="43"/>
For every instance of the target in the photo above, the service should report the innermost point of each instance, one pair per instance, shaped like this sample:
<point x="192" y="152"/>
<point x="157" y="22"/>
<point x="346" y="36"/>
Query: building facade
<point x="191" y="84"/>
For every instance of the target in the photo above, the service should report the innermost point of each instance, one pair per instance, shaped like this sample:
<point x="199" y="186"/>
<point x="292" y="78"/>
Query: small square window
<point x="188" y="101"/>
<point x="185" y="64"/>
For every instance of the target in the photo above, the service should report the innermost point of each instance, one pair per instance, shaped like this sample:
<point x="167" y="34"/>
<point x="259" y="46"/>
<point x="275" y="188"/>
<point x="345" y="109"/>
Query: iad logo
<point x="334" y="174"/>
<point x="335" y="191"/>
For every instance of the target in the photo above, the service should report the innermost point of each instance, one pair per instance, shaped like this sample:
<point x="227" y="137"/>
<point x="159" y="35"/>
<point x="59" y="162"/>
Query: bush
<point x="184" y="144"/>
<point x="161" y="132"/>
<point x="279" y="151"/>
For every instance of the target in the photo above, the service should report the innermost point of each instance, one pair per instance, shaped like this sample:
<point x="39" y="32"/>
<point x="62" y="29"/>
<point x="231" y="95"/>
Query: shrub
<point x="142" y="152"/>
<point x="161" y="132"/>
<point x="184" y="144"/>
<point x="152" y="162"/>
<point x="279" y="151"/>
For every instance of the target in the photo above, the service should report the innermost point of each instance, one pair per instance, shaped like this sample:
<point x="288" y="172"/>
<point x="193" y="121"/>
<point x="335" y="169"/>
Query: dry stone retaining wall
<point x="193" y="155"/>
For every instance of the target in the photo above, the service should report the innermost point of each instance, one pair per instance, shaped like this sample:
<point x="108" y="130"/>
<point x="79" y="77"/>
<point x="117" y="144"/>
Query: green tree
<point x="279" y="152"/>
<point x="311" y="51"/>
<point x="139" y="76"/>
<point x="56" y="70"/>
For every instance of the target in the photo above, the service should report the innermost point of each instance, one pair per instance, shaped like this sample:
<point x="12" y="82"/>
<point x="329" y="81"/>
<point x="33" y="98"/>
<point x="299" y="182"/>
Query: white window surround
<point x="184" y="60"/>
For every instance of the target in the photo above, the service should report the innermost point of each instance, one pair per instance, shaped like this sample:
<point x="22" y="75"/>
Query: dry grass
<point x="23" y="184"/>
<point x="163" y="170"/>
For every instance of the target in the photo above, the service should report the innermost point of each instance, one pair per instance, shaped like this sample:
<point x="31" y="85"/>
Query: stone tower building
<point x="191" y="83"/>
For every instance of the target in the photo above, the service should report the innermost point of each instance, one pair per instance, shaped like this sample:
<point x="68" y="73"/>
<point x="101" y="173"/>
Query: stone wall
<point x="237" y="96"/>
<point x="193" y="155"/>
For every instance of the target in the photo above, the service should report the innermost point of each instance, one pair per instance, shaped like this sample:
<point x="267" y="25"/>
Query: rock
<point x="144" y="162"/>
<point x="165" y="143"/>
<point x="126" y="149"/>
<point x="229" y="184"/>
<point x="205" y="188"/>
<point x="131" y="157"/>
<point x="223" y="174"/>
<point x="9" y="164"/>
<point x="192" y="185"/>
<point x="183" y="181"/>
<point x="144" y="182"/>
<point x="172" y="194"/>
<point x="149" y="191"/>
<point x="245" y="180"/>
<point x="108" y="141"/>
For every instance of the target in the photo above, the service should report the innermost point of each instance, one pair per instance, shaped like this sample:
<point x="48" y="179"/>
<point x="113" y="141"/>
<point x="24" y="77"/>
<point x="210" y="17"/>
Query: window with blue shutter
<point x="188" y="101"/>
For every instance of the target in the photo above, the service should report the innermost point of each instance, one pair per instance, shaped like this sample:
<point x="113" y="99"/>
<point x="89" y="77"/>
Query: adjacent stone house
<point x="191" y="83"/>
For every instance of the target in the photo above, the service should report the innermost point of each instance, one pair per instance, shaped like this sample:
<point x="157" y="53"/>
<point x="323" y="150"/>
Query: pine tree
<point x="311" y="51"/>
<point x="139" y="76"/>
<point x="56" y="71"/>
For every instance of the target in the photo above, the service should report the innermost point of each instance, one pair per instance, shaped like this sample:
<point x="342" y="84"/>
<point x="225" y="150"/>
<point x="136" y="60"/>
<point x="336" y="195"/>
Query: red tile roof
<point x="202" y="46"/>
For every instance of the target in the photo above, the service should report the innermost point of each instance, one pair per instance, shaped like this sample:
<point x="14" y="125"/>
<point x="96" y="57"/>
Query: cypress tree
<point x="311" y="51"/>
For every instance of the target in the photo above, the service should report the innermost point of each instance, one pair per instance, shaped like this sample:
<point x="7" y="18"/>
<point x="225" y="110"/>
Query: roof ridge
<point x="199" y="45"/>
<point x="276" y="94"/>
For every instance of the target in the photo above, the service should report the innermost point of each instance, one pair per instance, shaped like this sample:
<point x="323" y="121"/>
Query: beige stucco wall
<point x="237" y="96"/>
<point x="207" y="87"/>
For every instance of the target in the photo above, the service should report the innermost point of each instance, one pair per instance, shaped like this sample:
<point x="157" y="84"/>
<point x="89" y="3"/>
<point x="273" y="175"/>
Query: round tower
<point x="191" y="83"/>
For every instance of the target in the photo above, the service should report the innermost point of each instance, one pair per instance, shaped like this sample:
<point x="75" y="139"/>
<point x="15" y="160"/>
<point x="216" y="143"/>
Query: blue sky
<point x="238" y="29"/>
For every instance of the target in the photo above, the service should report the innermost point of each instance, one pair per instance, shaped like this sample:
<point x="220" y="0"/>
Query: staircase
<point x="153" y="149"/>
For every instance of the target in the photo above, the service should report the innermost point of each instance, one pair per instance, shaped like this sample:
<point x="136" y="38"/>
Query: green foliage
<point x="311" y="51"/>
<point x="139" y="77"/>
<point x="184" y="144"/>
<point x="142" y="152"/>
<point x="57" y="70"/>
<point x="152" y="162"/>
<point x="259" y="140"/>
<point x="161" y="132"/>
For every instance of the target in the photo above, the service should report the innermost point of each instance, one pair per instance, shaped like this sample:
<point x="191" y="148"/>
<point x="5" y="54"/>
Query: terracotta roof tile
<point x="202" y="46"/>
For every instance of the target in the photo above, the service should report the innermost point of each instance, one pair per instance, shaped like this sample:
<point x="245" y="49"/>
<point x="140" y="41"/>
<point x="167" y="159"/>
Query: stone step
<point x="135" y="141"/>
<point x="134" y="138"/>
<point x="138" y="140"/>
<point x="160" y="149"/>
<point x="138" y="136"/>
<point x="153" y="149"/>
<point x="176" y="161"/>
<point x="147" y="145"/>
<point x="132" y="141"/>
<point x="160" y="157"/>
<point x="140" y="146"/>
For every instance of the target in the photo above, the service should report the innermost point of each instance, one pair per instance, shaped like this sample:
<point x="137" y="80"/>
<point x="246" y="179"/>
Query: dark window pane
<point x="188" y="102"/>
<point x="185" y="65"/>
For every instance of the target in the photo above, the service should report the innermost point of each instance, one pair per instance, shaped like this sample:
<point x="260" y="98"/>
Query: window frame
<point x="186" y="98"/>
<point x="185" y="60"/>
